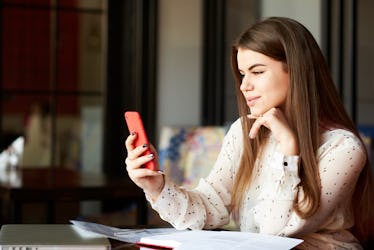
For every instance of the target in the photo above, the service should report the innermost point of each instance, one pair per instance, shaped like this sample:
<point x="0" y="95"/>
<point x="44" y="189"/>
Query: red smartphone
<point x="135" y="124"/>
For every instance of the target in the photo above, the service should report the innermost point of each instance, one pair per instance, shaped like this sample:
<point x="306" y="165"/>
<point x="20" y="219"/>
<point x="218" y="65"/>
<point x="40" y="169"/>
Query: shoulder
<point x="234" y="133"/>
<point x="236" y="125"/>
<point x="340" y="136"/>
<point x="340" y="139"/>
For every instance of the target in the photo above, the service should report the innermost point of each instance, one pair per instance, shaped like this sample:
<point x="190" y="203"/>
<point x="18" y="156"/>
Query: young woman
<point x="293" y="164"/>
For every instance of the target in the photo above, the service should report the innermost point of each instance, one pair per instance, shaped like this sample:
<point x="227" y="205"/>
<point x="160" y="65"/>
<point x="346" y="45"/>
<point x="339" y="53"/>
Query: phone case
<point x="135" y="124"/>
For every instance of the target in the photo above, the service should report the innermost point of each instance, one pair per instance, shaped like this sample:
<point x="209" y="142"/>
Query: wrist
<point x="290" y="147"/>
<point x="283" y="162"/>
<point x="154" y="193"/>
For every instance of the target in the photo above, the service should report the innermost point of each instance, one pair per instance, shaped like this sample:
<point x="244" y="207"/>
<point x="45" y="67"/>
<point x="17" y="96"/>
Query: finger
<point x="255" y="128"/>
<point x="154" y="151"/>
<point x="138" y="162"/>
<point x="143" y="172"/>
<point x="138" y="151"/>
<point x="142" y="175"/>
<point x="260" y="121"/>
<point x="250" y="116"/>
<point x="129" y="143"/>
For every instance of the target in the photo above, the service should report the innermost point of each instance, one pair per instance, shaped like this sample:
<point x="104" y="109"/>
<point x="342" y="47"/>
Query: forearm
<point x="274" y="204"/>
<point x="195" y="209"/>
<point x="178" y="207"/>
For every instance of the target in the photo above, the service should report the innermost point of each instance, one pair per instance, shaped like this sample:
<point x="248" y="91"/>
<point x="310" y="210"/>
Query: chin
<point x="258" y="111"/>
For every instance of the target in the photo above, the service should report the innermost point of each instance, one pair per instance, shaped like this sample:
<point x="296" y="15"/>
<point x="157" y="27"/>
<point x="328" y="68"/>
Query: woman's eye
<point x="257" y="72"/>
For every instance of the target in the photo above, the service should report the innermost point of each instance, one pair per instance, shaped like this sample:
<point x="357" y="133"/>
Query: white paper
<point x="195" y="239"/>
<point x="216" y="240"/>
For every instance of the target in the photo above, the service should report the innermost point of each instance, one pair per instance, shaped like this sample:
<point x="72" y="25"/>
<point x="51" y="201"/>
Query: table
<point x="51" y="185"/>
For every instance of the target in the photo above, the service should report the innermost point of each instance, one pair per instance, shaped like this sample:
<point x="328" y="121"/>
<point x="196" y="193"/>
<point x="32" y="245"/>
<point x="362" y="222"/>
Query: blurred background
<point x="70" y="68"/>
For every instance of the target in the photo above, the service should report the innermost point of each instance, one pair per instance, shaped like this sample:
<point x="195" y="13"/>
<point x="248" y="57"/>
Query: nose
<point x="246" y="85"/>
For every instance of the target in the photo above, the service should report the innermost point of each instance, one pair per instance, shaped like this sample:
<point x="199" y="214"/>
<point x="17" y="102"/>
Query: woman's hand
<point x="152" y="182"/>
<point x="275" y="120"/>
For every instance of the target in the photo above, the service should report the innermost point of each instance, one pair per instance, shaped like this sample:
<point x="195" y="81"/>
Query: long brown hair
<point x="313" y="102"/>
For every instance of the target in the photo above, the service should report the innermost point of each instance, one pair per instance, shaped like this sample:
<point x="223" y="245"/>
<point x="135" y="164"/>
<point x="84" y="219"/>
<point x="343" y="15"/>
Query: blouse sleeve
<point x="271" y="195"/>
<point x="206" y="206"/>
<point x="341" y="159"/>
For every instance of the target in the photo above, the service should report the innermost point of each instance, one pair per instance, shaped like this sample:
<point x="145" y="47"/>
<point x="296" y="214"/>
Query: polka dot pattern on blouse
<point x="268" y="204"/>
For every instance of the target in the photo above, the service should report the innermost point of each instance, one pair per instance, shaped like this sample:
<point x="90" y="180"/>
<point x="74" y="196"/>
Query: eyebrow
<point x="252" y="67"/>
<point x="255" y="65"/>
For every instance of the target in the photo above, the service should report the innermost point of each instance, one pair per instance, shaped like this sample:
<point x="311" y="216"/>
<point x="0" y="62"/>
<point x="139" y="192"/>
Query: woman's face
<point x="265" y="82"/>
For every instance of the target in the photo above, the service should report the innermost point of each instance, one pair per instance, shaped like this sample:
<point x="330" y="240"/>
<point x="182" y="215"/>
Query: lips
<point x="251" y="101"/>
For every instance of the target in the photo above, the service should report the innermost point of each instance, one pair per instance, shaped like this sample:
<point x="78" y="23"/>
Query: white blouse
<point x="267" y="207"/>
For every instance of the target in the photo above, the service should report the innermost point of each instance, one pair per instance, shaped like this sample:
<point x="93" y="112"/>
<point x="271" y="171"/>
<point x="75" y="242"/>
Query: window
<point x="53" y="80"/>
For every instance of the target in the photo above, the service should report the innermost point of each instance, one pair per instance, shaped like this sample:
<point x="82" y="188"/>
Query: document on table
<point x="217" y="240"/>
<point x="126" y="235"/>
<point x="192" y="239"/>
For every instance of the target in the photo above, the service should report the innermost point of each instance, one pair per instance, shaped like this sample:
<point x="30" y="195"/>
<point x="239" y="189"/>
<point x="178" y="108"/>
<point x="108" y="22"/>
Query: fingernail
<point x="250" y="135"/>
<point x="150" y="155"/>
<point x="160" y="172"/>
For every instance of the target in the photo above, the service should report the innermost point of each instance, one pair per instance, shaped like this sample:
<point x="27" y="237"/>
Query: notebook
<point x="50" y="236"/>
